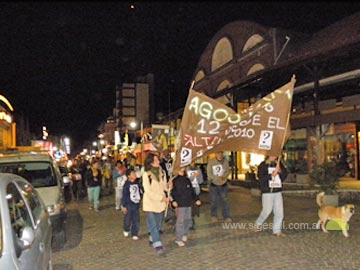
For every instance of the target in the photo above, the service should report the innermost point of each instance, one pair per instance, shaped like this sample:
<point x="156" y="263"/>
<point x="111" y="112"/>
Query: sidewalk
<point x="95" y="240"/>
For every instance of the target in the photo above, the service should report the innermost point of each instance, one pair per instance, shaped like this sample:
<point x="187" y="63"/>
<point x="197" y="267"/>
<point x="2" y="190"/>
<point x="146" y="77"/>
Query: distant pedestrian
<point x="76" y="178"/>
<point x="271" y="175"/>
<point x="183" y="198"/>
<point x="130" y="204"/>
<point x="196" y="177"/>
<point x="93" y="178"/>
<point x="155" y="199"/>
<point x="107" y="175"/>
<point x="119" y="180"/>
<point x="218" y="171"/>
<point x="166" y="163"/>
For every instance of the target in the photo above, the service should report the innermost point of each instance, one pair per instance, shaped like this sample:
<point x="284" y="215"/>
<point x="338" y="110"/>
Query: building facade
<point x="132" y="110"/>
<point x="244" y="61"/>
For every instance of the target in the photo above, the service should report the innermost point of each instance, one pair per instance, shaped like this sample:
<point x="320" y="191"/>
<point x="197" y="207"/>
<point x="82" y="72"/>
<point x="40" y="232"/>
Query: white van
<point x="41" y="170"/>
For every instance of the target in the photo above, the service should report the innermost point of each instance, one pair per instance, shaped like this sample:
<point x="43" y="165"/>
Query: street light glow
<point x="133" y="124"/>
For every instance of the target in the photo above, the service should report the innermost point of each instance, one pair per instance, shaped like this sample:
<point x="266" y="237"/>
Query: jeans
<point x="132" y="220"/>
<point x="272" y="202"/>
<point x="118" y="196"/>
<point x="94" y="195"/>
<point x="76" y="188"/>
<point x="108" y="184"/>
<point x="183" y="221"/>
<point x="153" y="222"/>
<point x="219" y="193"/>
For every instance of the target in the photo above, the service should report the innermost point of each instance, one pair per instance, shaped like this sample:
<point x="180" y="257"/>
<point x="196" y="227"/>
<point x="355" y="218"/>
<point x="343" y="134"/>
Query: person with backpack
<point x="155" y="199"/>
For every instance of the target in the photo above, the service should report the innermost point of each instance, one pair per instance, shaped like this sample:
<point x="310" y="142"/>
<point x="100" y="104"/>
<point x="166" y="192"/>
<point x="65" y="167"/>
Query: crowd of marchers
<point x="167" y="197"/>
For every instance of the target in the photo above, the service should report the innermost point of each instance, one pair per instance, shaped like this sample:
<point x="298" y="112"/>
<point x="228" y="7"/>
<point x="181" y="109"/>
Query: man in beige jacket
<point x="218" y="171"/>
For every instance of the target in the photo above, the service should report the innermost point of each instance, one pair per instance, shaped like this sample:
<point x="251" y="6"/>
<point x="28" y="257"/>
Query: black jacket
<point x="183" y="192"/>
<point x="132" y="194"/>
<point x="90" y="178"/>
<point x="264" y="176"/>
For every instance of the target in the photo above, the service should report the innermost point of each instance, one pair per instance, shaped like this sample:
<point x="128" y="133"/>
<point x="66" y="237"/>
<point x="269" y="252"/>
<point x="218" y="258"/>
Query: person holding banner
<point x="155" y="199"/>
<point x="183" y="198"/>
<point x="271" y="174"/>
<point x="218" y="171"/>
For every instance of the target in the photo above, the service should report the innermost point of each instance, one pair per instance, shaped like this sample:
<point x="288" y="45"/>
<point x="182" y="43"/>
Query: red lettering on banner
<point x="201" y="141"/>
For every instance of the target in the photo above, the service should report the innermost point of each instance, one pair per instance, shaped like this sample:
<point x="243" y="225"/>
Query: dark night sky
<point x="60" y="62"/>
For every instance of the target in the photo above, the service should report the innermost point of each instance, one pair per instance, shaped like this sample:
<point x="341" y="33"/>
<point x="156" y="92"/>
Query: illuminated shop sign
<point x="5" y="116"/>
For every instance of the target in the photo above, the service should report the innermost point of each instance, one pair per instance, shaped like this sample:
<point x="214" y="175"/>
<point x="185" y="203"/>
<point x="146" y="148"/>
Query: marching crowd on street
<point x="168" y="196"/>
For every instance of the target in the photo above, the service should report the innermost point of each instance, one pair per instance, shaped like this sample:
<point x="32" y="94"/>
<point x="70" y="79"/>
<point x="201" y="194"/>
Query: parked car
<point x="25" y="227"/>
<point x="41" y="170"/>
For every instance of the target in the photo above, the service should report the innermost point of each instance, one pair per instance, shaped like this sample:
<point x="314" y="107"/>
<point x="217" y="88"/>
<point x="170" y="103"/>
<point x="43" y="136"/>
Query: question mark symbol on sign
<point x="266" y="136"/>
<point x="218" y="169"/>
<point x="186" y="156"/>
<point x="185" y="153"/>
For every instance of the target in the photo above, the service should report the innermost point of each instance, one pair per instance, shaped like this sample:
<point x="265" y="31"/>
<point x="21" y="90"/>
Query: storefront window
<point x="340" y="148"/>
<point x="295" y="156"/>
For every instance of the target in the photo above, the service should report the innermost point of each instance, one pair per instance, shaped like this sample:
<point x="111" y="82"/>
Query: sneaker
<point x="90" y="208"/>
<point x="228" y="220"/>
<point x="117" y="208"/>
<point x="214" y="219"/>
<point x="279" y="235"/>
<point x="159" y="250"/>
<point x="135" y="237"/>
<point x="126" y="234"/>
<point x="180" y="243"/>
<point x="184" y="238"/>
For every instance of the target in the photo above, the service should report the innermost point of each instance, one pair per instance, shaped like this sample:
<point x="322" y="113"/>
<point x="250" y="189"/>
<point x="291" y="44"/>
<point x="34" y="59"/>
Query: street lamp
<point x="133" y="124"/>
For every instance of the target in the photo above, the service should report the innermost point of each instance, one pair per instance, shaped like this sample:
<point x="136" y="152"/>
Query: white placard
<point x="275" y="182"/>
<point x="265" y="141"/>
<point x="185" y="157"/>
<point x="218" y="170"/>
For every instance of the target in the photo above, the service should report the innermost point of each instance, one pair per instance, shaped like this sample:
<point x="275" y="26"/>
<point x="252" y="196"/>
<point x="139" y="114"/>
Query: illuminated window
<point x="223" y="85"/>
<point x="255" y="68"/>
<point x="223" y="53"/>
<point x="252" y="42"/>
<point x="200" y="75"/>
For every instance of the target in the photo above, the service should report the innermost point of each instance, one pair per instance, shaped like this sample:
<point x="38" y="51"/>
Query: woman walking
<point x="155" y="199"/>
<point x="93" y="178"/>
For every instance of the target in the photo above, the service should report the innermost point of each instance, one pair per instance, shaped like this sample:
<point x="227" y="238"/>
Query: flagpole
<point x="286" y="128"/>
<point x="175" y="161"/>
<point x="287" y="125"/>
<point x="192" y="85"/>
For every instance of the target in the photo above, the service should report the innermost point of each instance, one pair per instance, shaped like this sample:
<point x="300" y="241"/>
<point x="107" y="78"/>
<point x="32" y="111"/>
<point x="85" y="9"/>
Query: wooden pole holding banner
<point x="192" y="85"/>
<point x="168" y="195"/>
<point x="286" y="128"/>
<point x="287" y="125"/>
<point x="176" y="156"/>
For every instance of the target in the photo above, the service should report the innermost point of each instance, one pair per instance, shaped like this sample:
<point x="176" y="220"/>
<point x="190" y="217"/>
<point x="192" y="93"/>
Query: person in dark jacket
<point x="183" y="197"/>
<point x="93" y="178"/>
<point x="130" y="204"/>
<point x="271" y="175"/>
